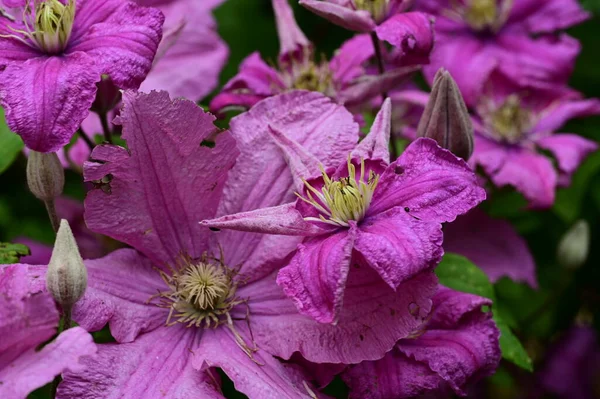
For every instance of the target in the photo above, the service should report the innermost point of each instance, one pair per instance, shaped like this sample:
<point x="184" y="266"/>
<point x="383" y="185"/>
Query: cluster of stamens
<point x="342" y="200"/>
<point x="201" y="293"/>
<point x="306" y="74"/>
<point x="46" y="24"/>
<point x="509" y="121"/>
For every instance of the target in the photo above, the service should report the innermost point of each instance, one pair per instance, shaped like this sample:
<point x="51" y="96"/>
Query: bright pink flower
<point x="515" y="38"/>
<point x="345" y="78"/>
<point x="180" y="169"/>
<point x="50" y="70"/>
<point x="364" y="212"/>
<point x="28" y="318"/>
<point x="455" y="348"/>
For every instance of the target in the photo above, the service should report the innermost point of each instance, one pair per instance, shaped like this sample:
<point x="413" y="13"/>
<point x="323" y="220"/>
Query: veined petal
<point x="347" y="63"/>
<point x="546" y="16"/>
<point x="399" y="246"/>
<point x="46" y="98"/>
<point x="376" y="145"/>
<point x="121" y="36"/>
<point x="556" y="115"/>
<point x="412" y="33"/>
<point x="430" y="181"/>
<point x="316" y="276"/>
<point x="292" y="42"/>
<point x="344" y="16"/>
<point x="156" y="195"/>
<point x="157" y="364"/>
<point x="569" y="149"/>
<point x="371" y="320"/>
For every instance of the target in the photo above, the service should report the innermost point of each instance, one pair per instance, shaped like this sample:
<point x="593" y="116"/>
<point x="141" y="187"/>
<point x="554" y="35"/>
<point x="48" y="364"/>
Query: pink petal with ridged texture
<point x="119" y="290"/>
<point x="569" y="149"/>
<point x="315" y="278"/>
<point x="157" y="195"/>
<point x="11" y="49"/>
<point x="546" y="16"/>
<point x="292" y="42"/>
<point x="342" y="15"/>
<point x="399" y="246"/>
<point x="258" y="378"/>
<point x="261" y="176"/>
<point x="46" y="98"/>
<point x="121" y="36"/>
<point x="410" y="32"/>
<point x="33" y="369"/>
<point x="347" y="63"/>
<point x="189" y="64"/>
<point x="434" y="184"/>
<point x="372" y="319"/>
<point x="157" y="364"/>
<point x="491" y="244"/>
<point x="556" y="115"/>
<point x="532" y="174"/>
<point x="376" y="145"/>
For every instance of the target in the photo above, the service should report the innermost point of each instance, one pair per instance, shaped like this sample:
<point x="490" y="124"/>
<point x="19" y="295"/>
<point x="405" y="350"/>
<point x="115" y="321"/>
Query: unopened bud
<point x="45" y="175"/>
<point x="574" y="247"/>
<point x="446" y="118"/>
<point x="66" y="278"/>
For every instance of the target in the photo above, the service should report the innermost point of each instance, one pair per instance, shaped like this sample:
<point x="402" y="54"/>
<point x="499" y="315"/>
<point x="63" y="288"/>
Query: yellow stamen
<point x="510" y="122"/>
<point x="481" y="14"/>
<point x="377" y="8"/>
<point x="342" y="200"/>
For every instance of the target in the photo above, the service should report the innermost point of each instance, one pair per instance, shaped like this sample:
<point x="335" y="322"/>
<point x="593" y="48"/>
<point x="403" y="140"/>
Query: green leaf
<point x="511" y="347"/>
<point x="458" y="273"/>
<point x="11" y="253"/>
<point x="10" y="144"/>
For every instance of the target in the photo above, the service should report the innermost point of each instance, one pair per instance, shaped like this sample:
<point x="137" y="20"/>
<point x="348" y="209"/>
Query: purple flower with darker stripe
<point x="53" y="52"/>
<point x="365" y="212"/>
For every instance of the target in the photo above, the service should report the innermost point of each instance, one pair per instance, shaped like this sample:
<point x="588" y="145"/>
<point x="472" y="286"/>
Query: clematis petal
<point x="168" y="183"/>
<point x="399" y="246"/>
<point x="293" y="44"/>
<point x="569" y="149"/>
<point x="546" y="16"/>
<point x="347" y="63"/>
<point x="488" y="153"/>
<point x="376" y="145"/>
<point x="316" y="276"/>
<point x="260" y="377"/>
<point x="430" y="181"/>
<point x="46" y="99"/>
<point x="189" y="64"/>
<point x="120" y="287"/>
<point x="371" y="321"/>
<point x="412" y="33"/>
<point x="157" y="364"/>
<point x="121" y="36"/>
<point x="13" y="50"/>
<point x="491" y="244"/>
<point x="556" y="115"/>
<point x="531" y="174"/>
<point x="342" y="15"/>
<point x="35" y="369"/>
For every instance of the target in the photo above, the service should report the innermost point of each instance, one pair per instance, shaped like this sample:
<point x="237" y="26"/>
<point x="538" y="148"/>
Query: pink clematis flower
<point x="344" y="78"/>
<point x="364" y="212"/>
<point x="515" y="38"/>
<point x="53" y="52"/>
<point x="456" y="347"/>
<point x="29" y="318"/>
<point x="192" y="299"/>
<point x="511" y="128"/>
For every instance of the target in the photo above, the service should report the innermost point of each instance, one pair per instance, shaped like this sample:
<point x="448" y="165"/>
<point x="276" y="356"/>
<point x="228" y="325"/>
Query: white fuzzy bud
<point x="66" y="278"/>
<point x="45" y="175"/>
<point x="574" y="247"/>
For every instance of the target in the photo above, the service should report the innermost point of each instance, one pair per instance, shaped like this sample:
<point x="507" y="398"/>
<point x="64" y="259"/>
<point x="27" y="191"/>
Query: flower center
<point x="342" y="199"/>
<point x="509" y="122"/>
<point x="48" y="24"/>
<point x="377" y="8"/>
<point x="199" y="293"/>
<point x="313" y="77"/>
<point x="481" y="14"/>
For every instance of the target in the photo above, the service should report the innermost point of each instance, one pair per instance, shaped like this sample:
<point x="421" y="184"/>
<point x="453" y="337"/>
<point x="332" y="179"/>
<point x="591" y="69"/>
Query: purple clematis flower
<point x="512" y="127"/>
<point x="192" y="299"/>
<point x="345" y="78"/>
<point x="515" y="38"/>
<point x="455" y="348"/>
<point x="364" y="212"/>
<point x="28" y="318"/>
<point x="53" y="52"/>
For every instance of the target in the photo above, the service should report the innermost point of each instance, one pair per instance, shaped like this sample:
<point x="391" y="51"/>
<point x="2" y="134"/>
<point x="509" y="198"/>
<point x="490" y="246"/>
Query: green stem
<point x="105" y="127"/>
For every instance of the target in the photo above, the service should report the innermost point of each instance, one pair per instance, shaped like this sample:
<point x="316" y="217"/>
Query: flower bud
<point x="66" y="278"/>
<point x="574" y="247"/>
<point x="45" y="175"/>
<point x="446" y="118"/>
